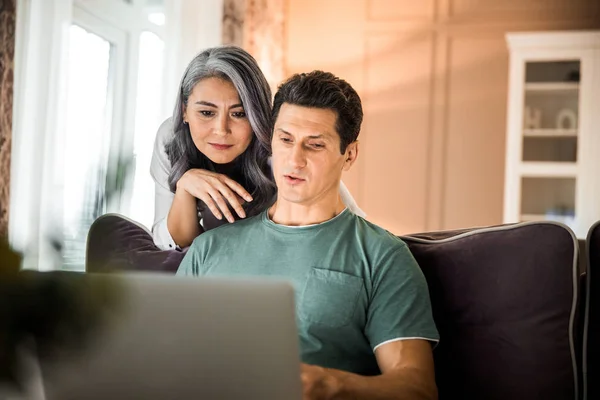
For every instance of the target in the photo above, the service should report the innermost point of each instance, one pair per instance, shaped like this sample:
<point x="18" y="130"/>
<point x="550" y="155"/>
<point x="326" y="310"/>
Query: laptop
<point x="181" y="338"/>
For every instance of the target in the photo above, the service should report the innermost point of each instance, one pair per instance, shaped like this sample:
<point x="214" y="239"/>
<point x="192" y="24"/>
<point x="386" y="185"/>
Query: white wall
<point x="190" y="27"/>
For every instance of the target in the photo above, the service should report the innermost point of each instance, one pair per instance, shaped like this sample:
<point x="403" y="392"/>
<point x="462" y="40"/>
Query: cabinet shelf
<point x="533" y="217"/>
<point x="549" y="169"/>
<point x="552" y="87"/>
<point x="565" y="219"/>
<point x="550" y="133"/>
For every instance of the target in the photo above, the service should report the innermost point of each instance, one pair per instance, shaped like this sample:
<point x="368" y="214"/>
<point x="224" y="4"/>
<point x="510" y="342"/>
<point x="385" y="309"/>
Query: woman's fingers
<point x="236" y="187"/>
<point x="221" y="203"/>
<point x="231" y="198"/>
<point x="216" y="191"/>
<point x="212" y="206"/>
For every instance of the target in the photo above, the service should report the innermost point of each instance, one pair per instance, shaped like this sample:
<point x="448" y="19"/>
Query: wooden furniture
<point x="553" y="129"/>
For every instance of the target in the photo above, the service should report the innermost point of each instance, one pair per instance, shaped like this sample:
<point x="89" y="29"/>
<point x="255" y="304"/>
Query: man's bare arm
<point x="407" y="372"/>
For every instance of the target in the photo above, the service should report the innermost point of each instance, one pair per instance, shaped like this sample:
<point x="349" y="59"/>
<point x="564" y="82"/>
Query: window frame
<point x="41" y="61"/>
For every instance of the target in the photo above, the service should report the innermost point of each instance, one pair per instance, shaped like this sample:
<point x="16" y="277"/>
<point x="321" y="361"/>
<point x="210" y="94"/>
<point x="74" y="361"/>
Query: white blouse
<point x="160" y="167"/>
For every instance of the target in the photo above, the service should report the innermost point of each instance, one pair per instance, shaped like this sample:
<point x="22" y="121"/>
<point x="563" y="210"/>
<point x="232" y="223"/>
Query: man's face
<point x="307" y="163"/>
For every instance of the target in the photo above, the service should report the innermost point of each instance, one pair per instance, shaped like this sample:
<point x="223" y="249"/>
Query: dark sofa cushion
<point x="505" y="301"/>
<point x="591" y="361"/>
<point x="116" y="243"/>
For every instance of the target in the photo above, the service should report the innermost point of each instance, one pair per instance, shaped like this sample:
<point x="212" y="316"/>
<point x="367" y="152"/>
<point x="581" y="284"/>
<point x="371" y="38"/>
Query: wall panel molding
<point x="524" y="10"/>
<point x="475" y="135"/>
<point x="436" y="156"/>
<point x="397" y="103"/>
<point x="384" y="10"/>
<point x="481" y="26"/>
<point x="454" y="168"/>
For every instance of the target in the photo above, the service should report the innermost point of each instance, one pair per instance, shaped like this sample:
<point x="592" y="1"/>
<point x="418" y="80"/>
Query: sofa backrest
<point x="505" y="301"/>
<point x="591" y="353"/>
<point x="116" y="243"/>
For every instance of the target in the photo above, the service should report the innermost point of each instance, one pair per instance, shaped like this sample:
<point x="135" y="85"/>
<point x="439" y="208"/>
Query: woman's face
<point x="217" y="120"/>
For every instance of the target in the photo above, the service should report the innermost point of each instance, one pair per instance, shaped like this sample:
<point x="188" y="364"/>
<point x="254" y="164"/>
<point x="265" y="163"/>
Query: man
<point x="364" y="314"/>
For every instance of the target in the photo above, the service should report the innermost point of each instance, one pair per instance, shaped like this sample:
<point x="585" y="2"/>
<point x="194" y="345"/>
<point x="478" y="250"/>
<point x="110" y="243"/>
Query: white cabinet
<point x="553" y="129"/>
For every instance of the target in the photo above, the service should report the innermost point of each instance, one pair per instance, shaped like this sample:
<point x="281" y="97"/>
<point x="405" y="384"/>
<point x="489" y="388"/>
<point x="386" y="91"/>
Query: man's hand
<point x="407" y="372"/>
<point x="319" y="383"/>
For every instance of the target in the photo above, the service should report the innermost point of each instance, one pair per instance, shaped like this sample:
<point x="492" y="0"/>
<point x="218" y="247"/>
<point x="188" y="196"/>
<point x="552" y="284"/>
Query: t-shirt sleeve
<point x="190" y="265"/>
<point x="400" y="307"/>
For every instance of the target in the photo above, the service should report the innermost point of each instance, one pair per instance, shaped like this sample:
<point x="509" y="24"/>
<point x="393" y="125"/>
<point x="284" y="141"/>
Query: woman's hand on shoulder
<point x="215" y="190"/>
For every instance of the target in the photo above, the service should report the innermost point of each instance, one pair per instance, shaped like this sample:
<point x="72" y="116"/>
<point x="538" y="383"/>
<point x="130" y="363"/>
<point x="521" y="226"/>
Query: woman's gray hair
<point x="240" y="68"/>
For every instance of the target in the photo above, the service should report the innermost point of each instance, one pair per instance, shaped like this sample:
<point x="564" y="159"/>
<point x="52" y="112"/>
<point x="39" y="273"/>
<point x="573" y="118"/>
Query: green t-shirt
<point x="357" y="286"/>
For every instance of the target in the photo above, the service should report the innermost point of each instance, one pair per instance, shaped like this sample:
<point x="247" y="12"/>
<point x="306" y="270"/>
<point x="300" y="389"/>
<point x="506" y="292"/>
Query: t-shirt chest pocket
<point x="329" y="298"/>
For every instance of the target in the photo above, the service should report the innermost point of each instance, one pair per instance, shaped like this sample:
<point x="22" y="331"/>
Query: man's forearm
<point x="401" y="384"/>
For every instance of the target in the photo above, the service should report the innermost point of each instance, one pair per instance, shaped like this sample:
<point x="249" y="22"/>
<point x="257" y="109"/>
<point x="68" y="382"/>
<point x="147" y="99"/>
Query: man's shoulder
<point x="376" y="235"/>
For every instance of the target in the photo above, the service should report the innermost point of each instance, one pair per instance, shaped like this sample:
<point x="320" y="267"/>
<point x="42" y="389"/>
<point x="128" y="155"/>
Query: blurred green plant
<point x="56" y="310"/>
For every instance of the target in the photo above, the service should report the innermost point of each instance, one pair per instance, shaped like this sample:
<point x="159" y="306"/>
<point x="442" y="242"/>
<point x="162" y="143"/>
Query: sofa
<point x="514" y="304"/>
<point x="591" y="332"/>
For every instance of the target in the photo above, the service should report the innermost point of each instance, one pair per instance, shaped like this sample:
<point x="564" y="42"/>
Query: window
<point x="86" y="141"/>
<point x="108" y="121"/>
<point x="87" y="99"/>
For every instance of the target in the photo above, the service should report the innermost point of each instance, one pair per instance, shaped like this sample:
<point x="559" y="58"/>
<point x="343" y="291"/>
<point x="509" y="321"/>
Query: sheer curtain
<point x="86" y="140"/>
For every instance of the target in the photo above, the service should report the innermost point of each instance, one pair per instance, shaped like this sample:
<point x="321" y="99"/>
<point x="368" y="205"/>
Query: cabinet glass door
<point x="550" y="140"/>
<point x="550" y="117"/>
<point x="548" y="199"/>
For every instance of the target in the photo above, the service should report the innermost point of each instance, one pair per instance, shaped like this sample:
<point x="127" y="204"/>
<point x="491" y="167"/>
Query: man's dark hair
<point x="320" y="89"/>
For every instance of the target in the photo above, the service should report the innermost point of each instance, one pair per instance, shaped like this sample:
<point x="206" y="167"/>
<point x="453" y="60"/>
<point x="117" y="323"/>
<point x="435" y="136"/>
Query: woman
<point x="211" y="159"/>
